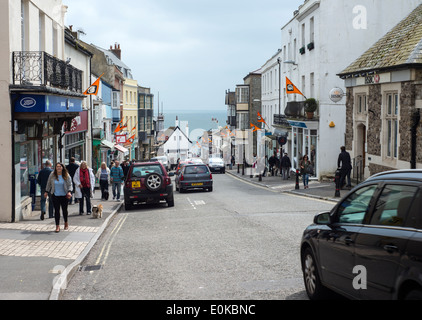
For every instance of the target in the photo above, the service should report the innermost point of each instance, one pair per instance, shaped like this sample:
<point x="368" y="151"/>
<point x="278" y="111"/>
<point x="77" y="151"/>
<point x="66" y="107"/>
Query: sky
<point x="189" y="52"/>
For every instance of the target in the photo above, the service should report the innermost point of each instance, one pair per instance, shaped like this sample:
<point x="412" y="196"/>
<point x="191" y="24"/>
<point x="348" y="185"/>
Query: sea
<point x="197" y="120"/>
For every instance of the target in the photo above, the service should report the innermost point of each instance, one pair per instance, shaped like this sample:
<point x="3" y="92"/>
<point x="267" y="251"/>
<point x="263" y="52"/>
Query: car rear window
<point x="143" y="171"/>
<point x="196" y="169"/>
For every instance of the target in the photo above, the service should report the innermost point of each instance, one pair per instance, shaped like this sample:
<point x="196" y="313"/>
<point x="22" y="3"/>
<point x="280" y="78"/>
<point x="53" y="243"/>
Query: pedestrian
<point x="71" y="168"/>
<point x="116" y="179"/>
<point x="59" y="186"/>
<point x="272" y="162"/>
<point x="103" y="176"/>
<point x="84" y="187"/>
<point x="42" y="180"/>
<point x="305" y="170"/>
<point x="286" y="164"/>
<point x="125" y="166"/>
<point x="344" y="162"/>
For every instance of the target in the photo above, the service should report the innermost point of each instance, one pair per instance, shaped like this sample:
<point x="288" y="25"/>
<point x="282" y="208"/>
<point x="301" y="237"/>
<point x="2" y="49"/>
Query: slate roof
<point x="401" y="46"/>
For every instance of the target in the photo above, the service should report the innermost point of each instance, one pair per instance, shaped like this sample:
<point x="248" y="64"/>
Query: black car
<point x="194" y="176"/>
<point x="369" y="246"/>
<point x="148" y="182"/>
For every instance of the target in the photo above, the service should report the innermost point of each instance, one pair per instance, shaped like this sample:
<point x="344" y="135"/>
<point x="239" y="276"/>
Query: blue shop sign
<point x="46" y="103"/>
<point x="298" y="124"/>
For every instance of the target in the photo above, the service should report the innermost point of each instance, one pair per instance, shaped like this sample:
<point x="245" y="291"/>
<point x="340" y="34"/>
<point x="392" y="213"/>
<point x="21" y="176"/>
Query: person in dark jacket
<point x="286" y="164"/>
<point x="344" y="162"/>
<point x="71" y="169"/>
<point x="272" y="162"/>
<point x="42" y="181"/>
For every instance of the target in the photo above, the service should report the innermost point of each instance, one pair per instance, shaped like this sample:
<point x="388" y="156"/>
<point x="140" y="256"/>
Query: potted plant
<point x="310" y="107"/>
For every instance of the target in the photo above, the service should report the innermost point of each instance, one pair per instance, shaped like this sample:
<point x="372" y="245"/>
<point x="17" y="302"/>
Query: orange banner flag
<point x="261" y="119"/>
<point x="291" y="88"/>
<point x="93" y="89"/>
<point x="254" y="127"/>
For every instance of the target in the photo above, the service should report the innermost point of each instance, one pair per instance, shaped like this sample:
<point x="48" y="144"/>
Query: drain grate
<point x="90" y="268"/>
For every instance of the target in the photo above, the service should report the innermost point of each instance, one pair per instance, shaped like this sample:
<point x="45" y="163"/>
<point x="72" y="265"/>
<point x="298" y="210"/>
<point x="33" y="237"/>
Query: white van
<point x="163" y="160"/>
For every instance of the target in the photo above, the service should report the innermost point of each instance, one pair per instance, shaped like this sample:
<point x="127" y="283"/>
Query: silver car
<point x="194" y="176"/>
<point x="216" y="165"/>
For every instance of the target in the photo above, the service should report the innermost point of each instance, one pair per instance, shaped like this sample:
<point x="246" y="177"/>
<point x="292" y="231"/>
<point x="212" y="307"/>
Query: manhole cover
<point x="90" y="268"/>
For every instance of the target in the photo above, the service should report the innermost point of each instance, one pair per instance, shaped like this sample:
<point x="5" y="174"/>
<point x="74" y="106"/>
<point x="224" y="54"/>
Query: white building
<point x="40" y="90"/>
<point x="177" y="144"/>
<point x="323" y="38"/>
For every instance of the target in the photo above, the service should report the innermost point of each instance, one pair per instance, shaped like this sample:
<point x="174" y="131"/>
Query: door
<point x="337" y="244"/>
<point x="381" y="243"/>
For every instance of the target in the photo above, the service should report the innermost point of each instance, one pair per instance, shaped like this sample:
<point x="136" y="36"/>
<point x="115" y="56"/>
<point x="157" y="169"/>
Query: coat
<point x="77" y="182"/>
<point x="50" y="184"/>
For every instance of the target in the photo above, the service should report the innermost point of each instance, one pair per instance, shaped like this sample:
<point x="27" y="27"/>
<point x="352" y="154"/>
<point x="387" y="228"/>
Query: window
<point x="303" y="35"/>
<point x="392" y="124"/>
<point x="312" y="30"/>
<point x="393" y="204"/>
<point x="354" y="208"/>
<point x="242" y="94"/>
<point x="143" y="171"/>
<point x="361" y="104"/>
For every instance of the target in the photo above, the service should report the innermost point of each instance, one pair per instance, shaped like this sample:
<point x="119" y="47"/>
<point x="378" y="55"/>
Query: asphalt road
<point x="238" y="242"/>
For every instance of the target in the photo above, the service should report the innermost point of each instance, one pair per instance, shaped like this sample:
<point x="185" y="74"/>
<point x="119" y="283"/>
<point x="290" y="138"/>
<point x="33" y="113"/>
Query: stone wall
<point x="350" y="101"/>
<point x="374" y="114"/>
<point x="407" y="107"/>
<point x="376" y="168"/>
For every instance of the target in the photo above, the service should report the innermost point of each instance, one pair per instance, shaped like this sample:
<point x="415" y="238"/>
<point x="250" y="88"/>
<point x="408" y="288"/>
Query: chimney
<point x="117" y="52"/>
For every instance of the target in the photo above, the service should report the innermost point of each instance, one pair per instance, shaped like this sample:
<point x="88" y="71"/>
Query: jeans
<point x="116" y="185"/>
<point x="345" y="173"/>
<point x="63" y="202"/>
<point x="305" y="179"/>
<point x="86" y="194"/>
<point x="50" y="204"/>
<point x="286" y="173"/>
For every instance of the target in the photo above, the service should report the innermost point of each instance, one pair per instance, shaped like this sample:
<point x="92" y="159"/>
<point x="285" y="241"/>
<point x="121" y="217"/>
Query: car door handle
<point x="390" y="248"/>
<point x="348" y="241"/>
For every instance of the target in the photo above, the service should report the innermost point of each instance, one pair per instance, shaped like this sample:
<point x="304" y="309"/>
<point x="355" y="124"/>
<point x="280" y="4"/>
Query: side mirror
<point x="171" y="174"/>
<point x="322" y="218"/>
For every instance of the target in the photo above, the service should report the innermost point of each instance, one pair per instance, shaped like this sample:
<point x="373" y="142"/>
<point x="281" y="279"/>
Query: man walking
<point x="286" y="164"/>
<point x="42" y="181"/>
<point x="345" y="163"/>
<point x="116" y="179"/>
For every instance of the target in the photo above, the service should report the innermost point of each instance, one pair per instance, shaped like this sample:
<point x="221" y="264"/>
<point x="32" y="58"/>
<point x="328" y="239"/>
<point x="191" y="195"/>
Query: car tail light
<point x="168" y="181"/>
<point x="211" y="176"/>
<point x="182" y="177"/>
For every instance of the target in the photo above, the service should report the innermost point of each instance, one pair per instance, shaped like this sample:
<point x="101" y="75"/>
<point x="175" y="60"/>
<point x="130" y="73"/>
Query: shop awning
<point x="120" y="148"/>
<point x="107" y="144"/>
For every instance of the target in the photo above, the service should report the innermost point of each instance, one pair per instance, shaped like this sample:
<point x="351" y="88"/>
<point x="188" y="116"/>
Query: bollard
<point x="260" y="177"/>
<point x="337" y="181"/>
<point x="297" y="180"/>
<point x="238" y="169"/>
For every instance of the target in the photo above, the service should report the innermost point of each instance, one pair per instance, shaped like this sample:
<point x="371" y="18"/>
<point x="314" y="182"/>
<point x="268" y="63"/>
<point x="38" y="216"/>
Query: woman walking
<point x="103" y="176"/>
<point x="84" y="180"/>
<point x="305" y="169"/>
<point x="59" y="185"/>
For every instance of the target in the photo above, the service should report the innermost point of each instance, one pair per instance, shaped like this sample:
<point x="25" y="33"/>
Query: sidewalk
<point x="317" y="189"/>
<point x="36" y="262"/>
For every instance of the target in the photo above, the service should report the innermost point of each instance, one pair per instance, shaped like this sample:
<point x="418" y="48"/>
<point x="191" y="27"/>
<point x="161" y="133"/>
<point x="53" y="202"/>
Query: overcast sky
<point x="190" y="51"/>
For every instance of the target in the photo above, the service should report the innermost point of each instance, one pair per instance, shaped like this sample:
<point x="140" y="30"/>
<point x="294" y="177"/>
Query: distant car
<point x="216" y="165"/>
<point x="195" y="160"/>
<point x="148" y="182"/>
<point x="374" y="235"/>
<point x="164" y="160"/>
<point x="194" y="176"/>
<point x="180" y="166"/>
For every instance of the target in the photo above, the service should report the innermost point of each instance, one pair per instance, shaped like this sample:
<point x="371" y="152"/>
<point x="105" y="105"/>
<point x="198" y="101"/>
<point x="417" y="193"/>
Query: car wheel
<point x="414" y="295"/>
<point x="153" y="182"/>
<point x="128" y="206"/>
<point x="170" y="202"/>
<point x="210" y="189"/>
<point x="314" y="288"/>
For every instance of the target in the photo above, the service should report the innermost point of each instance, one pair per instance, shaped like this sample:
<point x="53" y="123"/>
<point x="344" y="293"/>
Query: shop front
<point x="38" y="136"/>
<point x="75" y="139"/>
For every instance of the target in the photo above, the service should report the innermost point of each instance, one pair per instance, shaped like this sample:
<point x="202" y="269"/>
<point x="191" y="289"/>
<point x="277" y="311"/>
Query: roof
<point x="404" y="174"/>
<point x="116" y="61"/>
<point x="400" y="47"/>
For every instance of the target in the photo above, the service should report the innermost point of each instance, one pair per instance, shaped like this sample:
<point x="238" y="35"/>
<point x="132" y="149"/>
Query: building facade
<point x="313" y="54"/>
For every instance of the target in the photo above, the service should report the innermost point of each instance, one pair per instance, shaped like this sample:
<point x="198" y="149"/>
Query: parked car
<point x="163" y="160"/>
<point x="195" y="160"/>
<point x="369" y="246"/>
<point x="216" y="165"/>
<point x="193" y="176"/>
<point x="148" y="182"/>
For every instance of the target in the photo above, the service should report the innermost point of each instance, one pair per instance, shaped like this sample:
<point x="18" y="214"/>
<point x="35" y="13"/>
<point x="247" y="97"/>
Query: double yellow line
<point x="107" y="246"/>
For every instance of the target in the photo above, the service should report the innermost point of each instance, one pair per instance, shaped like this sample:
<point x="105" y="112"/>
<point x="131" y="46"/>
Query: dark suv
<point x="148" y="182"/>
<point x="369" y="246"/>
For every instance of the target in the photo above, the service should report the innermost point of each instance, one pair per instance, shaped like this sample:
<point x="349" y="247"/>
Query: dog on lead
<point x="97" y="211"/>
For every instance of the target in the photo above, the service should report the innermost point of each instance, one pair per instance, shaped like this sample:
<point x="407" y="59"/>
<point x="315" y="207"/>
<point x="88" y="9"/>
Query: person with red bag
<point x="84" y="180"/>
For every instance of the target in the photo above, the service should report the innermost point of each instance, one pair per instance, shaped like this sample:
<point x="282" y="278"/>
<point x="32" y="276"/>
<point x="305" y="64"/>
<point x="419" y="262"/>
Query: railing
<point x="41" y="69"/>
<point x="358" y="169"/>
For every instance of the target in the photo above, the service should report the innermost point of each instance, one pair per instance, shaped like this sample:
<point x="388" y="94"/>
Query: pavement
<point x="37" y="263"/>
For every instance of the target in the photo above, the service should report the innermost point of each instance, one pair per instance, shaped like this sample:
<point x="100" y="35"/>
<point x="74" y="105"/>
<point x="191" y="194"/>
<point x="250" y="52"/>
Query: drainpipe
<point x="416" y="117"/>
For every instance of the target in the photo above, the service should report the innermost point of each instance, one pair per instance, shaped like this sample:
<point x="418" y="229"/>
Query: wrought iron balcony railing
<point x="41" y="69"/>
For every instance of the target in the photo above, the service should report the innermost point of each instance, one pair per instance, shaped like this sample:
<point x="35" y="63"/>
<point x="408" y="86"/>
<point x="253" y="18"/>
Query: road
<point x="238" y="242"/>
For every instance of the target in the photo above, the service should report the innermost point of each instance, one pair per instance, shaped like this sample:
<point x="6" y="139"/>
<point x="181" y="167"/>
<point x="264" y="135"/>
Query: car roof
<point x="404" y="174"/>
<point x="145" y="163"/>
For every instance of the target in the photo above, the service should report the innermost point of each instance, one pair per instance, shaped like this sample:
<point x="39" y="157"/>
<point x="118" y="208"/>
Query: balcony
<point x="39" y="69"/>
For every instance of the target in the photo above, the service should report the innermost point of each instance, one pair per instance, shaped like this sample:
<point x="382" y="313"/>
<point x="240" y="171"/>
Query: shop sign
<point x="121" y="138"/>
<point x="79" y="123"/>
<point x="46" y="103"/>
<point x="336" y="95"/>
<point x="298" y="124"/>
